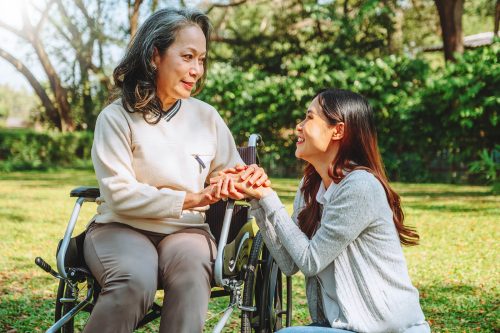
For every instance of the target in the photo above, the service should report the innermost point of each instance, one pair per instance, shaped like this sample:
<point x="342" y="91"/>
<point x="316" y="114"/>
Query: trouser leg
<point x="125" y="263"/>
<point x="185" y="264"/>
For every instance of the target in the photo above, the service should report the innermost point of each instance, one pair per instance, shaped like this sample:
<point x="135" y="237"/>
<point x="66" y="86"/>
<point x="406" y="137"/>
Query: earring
<point x="153" y="65"/>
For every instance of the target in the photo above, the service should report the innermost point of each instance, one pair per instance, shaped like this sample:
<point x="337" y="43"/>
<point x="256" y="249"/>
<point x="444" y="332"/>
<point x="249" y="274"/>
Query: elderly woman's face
<point x="181" y="65"/>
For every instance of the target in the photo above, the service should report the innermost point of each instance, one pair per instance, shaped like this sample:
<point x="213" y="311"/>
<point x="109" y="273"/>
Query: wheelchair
<point x="244" y="269"/>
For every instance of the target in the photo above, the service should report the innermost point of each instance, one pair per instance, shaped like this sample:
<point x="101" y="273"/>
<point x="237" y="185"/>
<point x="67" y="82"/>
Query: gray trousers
<point x="131" y="264"/>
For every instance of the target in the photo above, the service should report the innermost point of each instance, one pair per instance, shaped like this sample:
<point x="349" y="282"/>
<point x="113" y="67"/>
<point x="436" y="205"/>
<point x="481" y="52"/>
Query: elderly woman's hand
<point x="225" y="187"/>
<point x="207" y="196"/>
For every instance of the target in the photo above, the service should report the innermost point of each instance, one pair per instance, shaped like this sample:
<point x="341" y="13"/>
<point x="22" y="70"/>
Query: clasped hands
<point x="240" y="182"/>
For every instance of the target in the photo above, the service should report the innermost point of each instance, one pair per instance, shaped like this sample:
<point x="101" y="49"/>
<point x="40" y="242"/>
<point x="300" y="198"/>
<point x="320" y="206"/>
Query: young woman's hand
<point x="254" y="174"/>
<point x="256" y="192"/>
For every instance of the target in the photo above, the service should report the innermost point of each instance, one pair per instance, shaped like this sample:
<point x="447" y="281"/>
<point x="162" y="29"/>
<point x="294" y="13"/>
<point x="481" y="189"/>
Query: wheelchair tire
<point x="64" y="290"/>
<point x="263" y="290"/>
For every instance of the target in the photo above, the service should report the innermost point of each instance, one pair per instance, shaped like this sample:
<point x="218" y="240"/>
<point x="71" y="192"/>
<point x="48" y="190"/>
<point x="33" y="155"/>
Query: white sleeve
<point x="226" y="155"/>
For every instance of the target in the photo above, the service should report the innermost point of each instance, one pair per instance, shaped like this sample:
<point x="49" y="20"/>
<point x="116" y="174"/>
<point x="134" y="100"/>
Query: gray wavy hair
<point x="134" y="77"/>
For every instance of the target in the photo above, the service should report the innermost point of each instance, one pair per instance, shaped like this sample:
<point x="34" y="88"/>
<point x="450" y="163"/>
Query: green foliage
<point x="27" y="149"/>
<point x="16" y="103"/>
<point x="458" y="111"/>
<point x="487" y="168"/>
<point x="431" y="123"/>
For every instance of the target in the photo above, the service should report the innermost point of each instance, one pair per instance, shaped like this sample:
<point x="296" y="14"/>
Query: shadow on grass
<point x="453" y="208"/>
<point x="11" y="217"/>
<point x="26" y="314"/>
<point x="445" y="194"/>
<point x="52" y="178"/>
<point x="460" y="308"/>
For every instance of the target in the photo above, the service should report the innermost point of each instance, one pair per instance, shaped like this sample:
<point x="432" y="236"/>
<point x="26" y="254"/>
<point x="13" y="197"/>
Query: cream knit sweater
<point x="144" y="170"/>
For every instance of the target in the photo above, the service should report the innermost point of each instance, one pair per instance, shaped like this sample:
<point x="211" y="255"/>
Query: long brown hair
<point x="358" y="150"/>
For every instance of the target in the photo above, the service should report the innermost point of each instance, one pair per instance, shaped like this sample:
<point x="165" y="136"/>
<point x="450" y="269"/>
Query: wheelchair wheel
<point x="263" y="290"/>
<point x="64" y="291"/>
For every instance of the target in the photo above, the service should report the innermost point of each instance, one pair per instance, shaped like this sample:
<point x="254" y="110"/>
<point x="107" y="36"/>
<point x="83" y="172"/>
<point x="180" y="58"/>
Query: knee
<point x="131" y="292"/>
<point x="189" y="276"/>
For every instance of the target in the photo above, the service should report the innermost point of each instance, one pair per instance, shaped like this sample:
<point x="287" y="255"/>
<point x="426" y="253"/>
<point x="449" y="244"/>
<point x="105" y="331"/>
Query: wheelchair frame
<point x="260" y="272"/>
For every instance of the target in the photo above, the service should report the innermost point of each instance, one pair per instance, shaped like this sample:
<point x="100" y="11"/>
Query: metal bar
<point x="288" y="301"/>
<point x="254" y="140"/>
<point x="67" y="317"/>
<point x="219" y="261"/>
<point x="67" y="237"/>
<point x="220" y="325"/>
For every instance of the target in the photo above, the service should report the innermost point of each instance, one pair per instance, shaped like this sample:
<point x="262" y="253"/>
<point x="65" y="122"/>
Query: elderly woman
<point x="153" y="150"/>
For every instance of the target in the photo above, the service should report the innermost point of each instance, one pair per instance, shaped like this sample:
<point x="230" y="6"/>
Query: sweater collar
<point x="325" y="194"/>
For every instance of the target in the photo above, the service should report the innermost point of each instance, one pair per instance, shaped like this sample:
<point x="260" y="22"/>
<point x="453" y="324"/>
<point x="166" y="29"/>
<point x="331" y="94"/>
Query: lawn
<point x="455" y="267"/>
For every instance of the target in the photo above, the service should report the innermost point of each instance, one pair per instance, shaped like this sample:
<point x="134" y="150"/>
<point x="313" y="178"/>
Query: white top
<point x="144" y="170"/>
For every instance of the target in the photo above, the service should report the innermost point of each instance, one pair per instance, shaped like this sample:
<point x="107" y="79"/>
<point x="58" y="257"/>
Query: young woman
<point x="153" y="150"/>
<point x="347" y="228"/>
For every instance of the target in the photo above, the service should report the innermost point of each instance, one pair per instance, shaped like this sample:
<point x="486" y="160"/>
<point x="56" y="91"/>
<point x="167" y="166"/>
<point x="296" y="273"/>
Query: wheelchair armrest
<point x="85" y="192"/>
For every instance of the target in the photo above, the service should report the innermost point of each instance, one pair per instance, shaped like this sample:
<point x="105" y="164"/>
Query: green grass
<point x="455" y="267"/>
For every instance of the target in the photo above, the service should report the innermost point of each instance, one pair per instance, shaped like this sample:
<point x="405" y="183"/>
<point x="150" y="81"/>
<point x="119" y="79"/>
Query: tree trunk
<point x="450" y="17"/>
<point x="60" y="93"/>
<point x="497" y="19"/>
<point x="50" y="109"/>
<point x="134" y="16"/>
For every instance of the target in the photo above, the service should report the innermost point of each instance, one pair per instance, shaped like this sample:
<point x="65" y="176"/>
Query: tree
<point x="74" y="34"/>
<point x="497" y="18"/>
<point x="30" y="33"/>
<point x="450" y="17"/>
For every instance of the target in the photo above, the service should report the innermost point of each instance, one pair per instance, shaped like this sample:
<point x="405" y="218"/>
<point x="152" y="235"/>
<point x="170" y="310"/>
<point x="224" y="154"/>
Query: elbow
<point x="289" y="271"/>
<point x="309" y="269"/>
<point x="308" y="273"/>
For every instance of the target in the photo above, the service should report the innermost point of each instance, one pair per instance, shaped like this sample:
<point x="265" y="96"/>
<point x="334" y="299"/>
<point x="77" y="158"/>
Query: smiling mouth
<point x="188" y="85"/>
<point x="300" y="140"/>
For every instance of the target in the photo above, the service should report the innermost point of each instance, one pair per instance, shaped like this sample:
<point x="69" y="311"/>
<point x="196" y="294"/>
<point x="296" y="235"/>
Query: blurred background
<point x="429" y="68"/>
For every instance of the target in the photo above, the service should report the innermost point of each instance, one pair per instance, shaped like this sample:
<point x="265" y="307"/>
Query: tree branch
<point x="44" y="15"/>
<point x="17" y="32"/>
<point x="220" y="5"/>
<point x="50" y="110"/>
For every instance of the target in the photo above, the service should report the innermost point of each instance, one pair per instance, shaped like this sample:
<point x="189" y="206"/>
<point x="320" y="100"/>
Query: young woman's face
<point x="181" y="66"/>
<point x="314" y="134"/>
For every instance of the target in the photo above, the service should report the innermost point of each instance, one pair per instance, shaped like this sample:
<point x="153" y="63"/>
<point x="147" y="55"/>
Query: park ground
<point x="455" y="267"/>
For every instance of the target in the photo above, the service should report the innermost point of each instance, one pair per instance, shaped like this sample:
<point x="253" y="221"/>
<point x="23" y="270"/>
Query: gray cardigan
<point x="356" y="248"/>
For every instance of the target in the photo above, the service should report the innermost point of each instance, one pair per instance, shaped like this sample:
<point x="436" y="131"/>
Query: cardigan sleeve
<point x="348" y="213"/>
<point x="271" y="239"/>
<point x="112" y="159"/>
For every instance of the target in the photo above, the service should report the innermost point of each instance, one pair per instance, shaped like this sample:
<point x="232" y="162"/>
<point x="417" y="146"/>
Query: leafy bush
<point x="487" y="168"/>
<point x="27" y="149"/>
<point x="457" y="116"/>
<point x="256" y="102"/>
<point x="431" y="123"/>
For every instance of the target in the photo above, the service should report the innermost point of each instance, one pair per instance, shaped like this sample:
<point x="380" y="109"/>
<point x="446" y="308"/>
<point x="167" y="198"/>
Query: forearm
<point x="192" y="200"/>
<point x="279" y="253"/>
